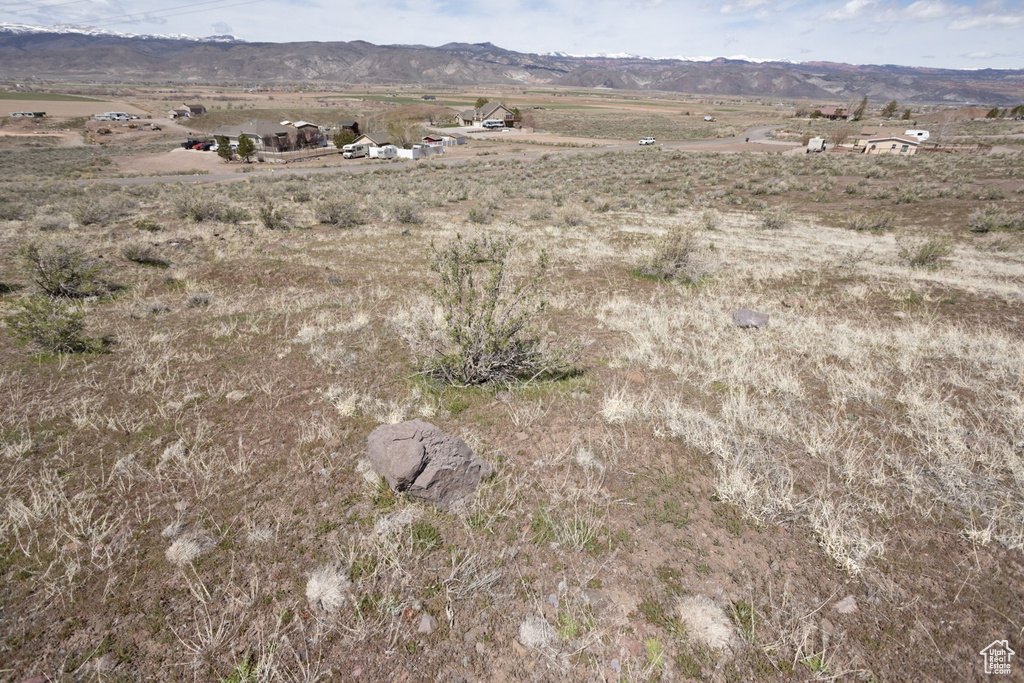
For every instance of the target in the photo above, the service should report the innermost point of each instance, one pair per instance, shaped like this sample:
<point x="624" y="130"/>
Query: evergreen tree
<point x="246" y="147"/>
<point x="224" y="150"/>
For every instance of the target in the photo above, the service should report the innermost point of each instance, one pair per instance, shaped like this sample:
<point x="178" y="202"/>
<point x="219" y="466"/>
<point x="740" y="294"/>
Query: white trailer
<point x="384" y="152"/>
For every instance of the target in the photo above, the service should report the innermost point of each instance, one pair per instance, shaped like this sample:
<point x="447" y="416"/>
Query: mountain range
<point x="78" y="53"/>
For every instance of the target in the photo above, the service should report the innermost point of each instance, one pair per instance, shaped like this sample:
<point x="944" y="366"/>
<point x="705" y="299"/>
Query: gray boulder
<point x="418" y="459"/>
<point x="745" y="318"/>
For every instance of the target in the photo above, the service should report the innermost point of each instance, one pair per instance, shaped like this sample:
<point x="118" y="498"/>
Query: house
<point x="445" y="140"/>
<point x="831" y="113"/>
<point x="490" y="111"/>
<point x="891" y="144"/>
<point x="28" y="114"/>
<point x="875" y="132"/>
<point x="267" y="135"/>
<point x="351" y="126"/>
<point x="376" y="139"/>
<point x="186" y="111"/>
<point x="309" y="135"/>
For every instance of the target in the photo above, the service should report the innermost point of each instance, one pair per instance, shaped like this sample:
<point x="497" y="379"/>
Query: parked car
<point x="647" y="141"/>
<point x="190" y="143"/>
<point x="207" y="146"/>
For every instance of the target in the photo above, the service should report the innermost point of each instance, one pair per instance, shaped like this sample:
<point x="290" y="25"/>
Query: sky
<point x="928" y="33"/>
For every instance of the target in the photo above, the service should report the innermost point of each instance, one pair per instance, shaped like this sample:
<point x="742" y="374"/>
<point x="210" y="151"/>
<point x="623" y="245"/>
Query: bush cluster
<point x="488" y="333"/>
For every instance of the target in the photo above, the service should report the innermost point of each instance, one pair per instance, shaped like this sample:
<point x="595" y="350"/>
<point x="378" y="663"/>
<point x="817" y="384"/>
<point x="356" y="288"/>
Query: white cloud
<point x="987" y="21"/>
<point x="743" y="6"/>
<point x="927" y="9"/>
<point x="851" y="10"/>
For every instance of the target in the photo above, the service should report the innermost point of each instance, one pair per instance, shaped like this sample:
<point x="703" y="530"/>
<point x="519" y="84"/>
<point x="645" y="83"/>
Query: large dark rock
<point x="418" y="459"/>
<point x="746" y="318"/>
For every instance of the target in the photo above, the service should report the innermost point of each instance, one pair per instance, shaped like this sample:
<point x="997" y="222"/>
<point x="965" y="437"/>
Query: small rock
<point x="847" y="605"/>
<point x="518" y="648"/>
<point x="615" y="666"/>
<point x="521" y="436"/>
<point x="595" y="598"/>
<point x="536" y="633"/>
<point x="474" y="634"/>
<point x="235" y="396"/>
<point x="746" y="318"/>
<point x="105" y="663"/>
<point x="899" y="315"/>
<point x="481" y="648"/>
<point x="427" y="624"/>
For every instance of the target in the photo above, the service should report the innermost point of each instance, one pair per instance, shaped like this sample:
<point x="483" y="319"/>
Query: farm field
<point x="837" y="495"/>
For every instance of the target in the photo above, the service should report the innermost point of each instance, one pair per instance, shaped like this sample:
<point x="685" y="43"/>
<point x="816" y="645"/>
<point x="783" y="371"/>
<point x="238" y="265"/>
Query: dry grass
<point x="193" y="499"/>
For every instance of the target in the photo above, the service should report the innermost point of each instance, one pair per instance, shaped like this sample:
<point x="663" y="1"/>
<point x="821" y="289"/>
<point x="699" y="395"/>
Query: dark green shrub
<point x="487" y="334"/>
<point x="63" y="271"/>
<point x="51" y="326"/>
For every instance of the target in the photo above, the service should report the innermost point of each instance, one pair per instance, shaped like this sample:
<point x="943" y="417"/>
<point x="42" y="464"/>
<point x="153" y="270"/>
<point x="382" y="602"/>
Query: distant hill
<point x="96" y="56"/>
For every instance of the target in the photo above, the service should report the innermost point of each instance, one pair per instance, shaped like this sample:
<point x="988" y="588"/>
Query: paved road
<point x="756" y="134"/>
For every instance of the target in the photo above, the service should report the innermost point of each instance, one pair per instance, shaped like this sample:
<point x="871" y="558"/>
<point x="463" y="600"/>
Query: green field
<point x="43" y="97"/>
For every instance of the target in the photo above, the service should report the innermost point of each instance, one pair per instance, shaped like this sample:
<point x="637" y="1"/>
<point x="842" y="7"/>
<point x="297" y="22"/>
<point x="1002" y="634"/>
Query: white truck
<point x="355" y="151"/>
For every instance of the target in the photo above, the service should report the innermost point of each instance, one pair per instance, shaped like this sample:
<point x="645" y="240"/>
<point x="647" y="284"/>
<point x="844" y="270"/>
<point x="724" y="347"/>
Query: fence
<point x="296" y="155"/>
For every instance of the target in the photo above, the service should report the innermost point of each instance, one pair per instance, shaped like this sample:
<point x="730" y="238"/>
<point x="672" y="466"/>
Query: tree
<point x="907" y="114"/>
<point x="404" y="133"/>
<point x="480" y="102"/>
<point x="994" y="113"/>
<point x="856" y="108"/>
<point x="841" y="134"/>
<point x="224" y="150"/>
<point x="890" y="109"/>
<point x="345" y="137"/>
<point x="246" y="147"/>
<point x="309" y="137"/>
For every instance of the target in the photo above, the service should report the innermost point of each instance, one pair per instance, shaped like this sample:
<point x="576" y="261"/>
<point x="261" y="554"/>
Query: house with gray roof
<point x="268" y="136"/>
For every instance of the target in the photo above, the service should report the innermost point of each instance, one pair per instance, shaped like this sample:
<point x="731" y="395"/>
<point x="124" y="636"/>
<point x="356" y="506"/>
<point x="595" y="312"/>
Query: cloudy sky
<point x="937" y="33"/>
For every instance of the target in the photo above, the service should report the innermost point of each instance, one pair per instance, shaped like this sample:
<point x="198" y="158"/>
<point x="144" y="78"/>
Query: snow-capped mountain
<point x="7" y="27"/>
